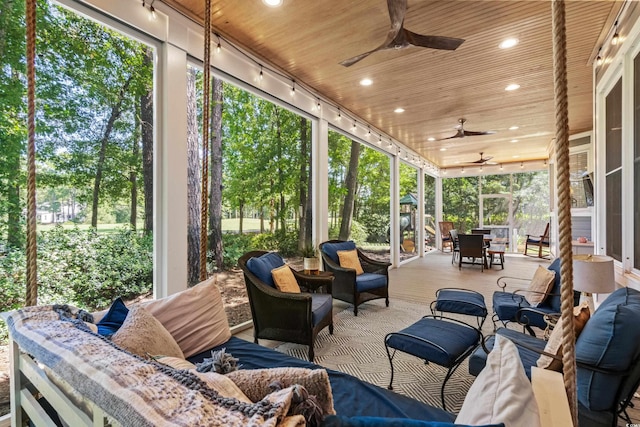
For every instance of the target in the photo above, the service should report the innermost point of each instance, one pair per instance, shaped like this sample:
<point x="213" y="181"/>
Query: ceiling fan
<point x="461" y="133"/>
<point x="483" y="160"/>
<point x="400" y="38"/>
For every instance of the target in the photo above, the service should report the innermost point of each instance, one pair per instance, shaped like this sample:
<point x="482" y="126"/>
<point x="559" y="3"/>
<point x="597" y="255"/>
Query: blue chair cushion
<point x="609" y="340"/>
<point x="364" y="421"/>
<point x="451" y="340"/>
<point x="114" y="318"/>
<point x="461" y="302"/>
<point x="478" y="358"/>
<point x="331" y="249"/>
<point x="367" y="281"/>
<point x="554" y="301"/>
<point x="262" y="266"/>
<point x="321" y="304"/>
<point x="506" y="304"/>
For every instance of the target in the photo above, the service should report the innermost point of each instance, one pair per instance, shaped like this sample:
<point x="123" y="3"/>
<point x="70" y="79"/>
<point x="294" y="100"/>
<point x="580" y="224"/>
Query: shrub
<point x="377" y="227"/>
<point x="358" y="233"/>
<point x="234" y="246"/>
<point x="79" y="267"/>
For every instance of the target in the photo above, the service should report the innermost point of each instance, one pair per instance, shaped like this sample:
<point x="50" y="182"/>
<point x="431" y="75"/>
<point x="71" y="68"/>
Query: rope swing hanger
<point x="205" y="140"/>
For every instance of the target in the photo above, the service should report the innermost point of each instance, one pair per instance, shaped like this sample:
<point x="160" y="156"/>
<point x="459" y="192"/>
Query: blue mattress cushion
<point x="114" y="318"/>
<point x="478" y="358"/>
<point x="261" y="266"/>
<point x="363" y="421"/>
<point x="609" y="340"/>
<point x="461" y="302"/>
<point x="368" y="281"/>
<point x="321" y="304"/>
<point x="435" y="340"/>
<point x="331" y="249"/>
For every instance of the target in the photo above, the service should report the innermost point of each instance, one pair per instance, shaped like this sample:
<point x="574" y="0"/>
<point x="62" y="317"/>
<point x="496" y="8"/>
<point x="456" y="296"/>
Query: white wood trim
<point x="5" y="420"/>
<point x="551" y="397"/>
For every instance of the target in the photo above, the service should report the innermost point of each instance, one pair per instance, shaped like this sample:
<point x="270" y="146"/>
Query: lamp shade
<point x="593" y="274"/>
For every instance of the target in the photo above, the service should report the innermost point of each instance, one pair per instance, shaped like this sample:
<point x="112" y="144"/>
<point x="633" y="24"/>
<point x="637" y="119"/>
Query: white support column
<point x="170" y="174"/>
<point x="320" y="179"/>
<point x="394" y="209"/>
<point x="15" y="379"/>
<point x="438" y="211"/>
<point x="420" y="213"/>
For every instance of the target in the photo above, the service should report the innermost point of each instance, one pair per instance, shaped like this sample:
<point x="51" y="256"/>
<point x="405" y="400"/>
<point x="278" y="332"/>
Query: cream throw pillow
<point x="541" y="284"/>
<point x="143" y="334"/>
<point x="285" y="280"/>
<point x="349" y="259"/>
<point x="581" y="315"/>
<point x="194" y="317"/>
<point x="502" y="392"/>
<point x="176" y="363"/>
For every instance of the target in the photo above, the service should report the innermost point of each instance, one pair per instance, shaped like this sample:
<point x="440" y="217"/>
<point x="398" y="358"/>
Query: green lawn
<point x="231" y="224"/>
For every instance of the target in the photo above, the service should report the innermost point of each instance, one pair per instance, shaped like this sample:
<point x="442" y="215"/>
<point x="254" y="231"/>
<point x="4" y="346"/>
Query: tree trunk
<point x="146" y="118"/>
<point x="116" y="110"/>
<point x="305" y="166"/>
<point x="241" y="213"/>
<point x="350" y="183"/>
<point x="133" y="177"/>
<point x="215" y="199"/>
<point x="6" y="11"/>
<point x="194" y="191"/>
<point x="261" y="219"/>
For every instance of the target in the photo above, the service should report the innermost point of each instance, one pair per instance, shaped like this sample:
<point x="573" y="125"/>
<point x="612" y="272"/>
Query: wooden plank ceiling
<point x="307" y="39"/>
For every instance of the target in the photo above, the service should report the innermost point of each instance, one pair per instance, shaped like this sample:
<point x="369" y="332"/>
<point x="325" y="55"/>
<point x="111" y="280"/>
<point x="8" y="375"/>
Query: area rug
<point x="357" y="348"/>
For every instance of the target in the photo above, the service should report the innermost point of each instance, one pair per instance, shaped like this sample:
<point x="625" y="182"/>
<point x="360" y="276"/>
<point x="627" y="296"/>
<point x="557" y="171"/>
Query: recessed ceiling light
<point x="399" y="110"/>
<point x="443" y="149"/>
<point x="516" y="156"/>
<point x="507" y="43"/>
<point x="512" y="86"/>
<point x="272" y="3"/>
<point x="514" y="140"/>
<point x="431" y="139"/>
<point x="366" y="82"/>
<point x="514" y="127"/>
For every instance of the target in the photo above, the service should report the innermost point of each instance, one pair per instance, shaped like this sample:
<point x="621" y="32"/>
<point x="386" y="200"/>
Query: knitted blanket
<point x="133" y="391"/>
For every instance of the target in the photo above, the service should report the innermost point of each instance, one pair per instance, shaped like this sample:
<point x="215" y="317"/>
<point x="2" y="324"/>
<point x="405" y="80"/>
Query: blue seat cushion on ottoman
<point x="368" y="281"/>
<point x="321" y="304"/>
<point x="451" y="340"/>
<point x="262" y="266"/>
<point x="331" y="249"/>
<point x="452" y="301"/>
<point x="609" y="340"/>
<point x="478" y="358"/>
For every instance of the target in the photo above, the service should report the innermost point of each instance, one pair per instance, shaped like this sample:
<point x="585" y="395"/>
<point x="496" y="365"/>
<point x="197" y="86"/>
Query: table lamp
<point x="593" y="274"/>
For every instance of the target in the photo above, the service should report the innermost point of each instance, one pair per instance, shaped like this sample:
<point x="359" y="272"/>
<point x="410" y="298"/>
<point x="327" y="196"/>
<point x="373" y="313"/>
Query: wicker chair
<point x="282" y="316"/>
<point x="348" y="286"/>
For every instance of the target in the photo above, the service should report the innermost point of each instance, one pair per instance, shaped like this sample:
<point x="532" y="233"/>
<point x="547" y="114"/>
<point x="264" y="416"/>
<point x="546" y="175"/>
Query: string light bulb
<point x="354" y="126"/>
<point x="218" y="47"/>
<point x="339" y="114"/>
<point x="293" y="87"/>
<point x="261" y="74"/>
<point x="318" y="105"/>
<point x="501" y="166"/>
<point x="599" y="58"/>
<point x="379" y="139"/>
<point x="521" y="165"/>
<point x="369" y="130"/>
<point x="152" y="12"/>
<point x="616" y="37"/>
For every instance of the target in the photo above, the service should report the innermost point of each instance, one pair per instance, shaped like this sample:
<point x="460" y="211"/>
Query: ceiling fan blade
<point x="397" y="10"/>
<point x="458" y="134"/>
<point x="433" y="42"/>
<point x="475" y="133"/>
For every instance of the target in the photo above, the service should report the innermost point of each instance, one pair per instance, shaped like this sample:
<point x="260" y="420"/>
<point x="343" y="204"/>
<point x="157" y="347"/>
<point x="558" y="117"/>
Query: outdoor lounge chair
<point x="349" y="286"/>
<point x="284" y="316"/>
<point x="471" y="246"/>
<point x="513" y="306"/>
<point x="607" y="356"/>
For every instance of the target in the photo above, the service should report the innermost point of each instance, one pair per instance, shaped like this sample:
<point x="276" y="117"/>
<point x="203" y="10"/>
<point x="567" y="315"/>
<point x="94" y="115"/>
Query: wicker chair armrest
<point x="374" y="263"/>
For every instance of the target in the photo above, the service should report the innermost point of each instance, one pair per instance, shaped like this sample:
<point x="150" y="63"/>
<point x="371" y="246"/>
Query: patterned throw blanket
<point x="133" y="391"/>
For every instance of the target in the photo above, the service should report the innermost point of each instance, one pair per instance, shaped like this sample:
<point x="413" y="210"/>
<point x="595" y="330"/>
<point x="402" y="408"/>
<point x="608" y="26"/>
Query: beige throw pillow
<point x="541" y="285"/>
<point x="349" y="259"/>
<point x="143" y="334"/>
<point x="194" y="317"/>
<point x="581" y="315"/>
<point x="285" y="280"/>
<point x="176" y="363"/>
